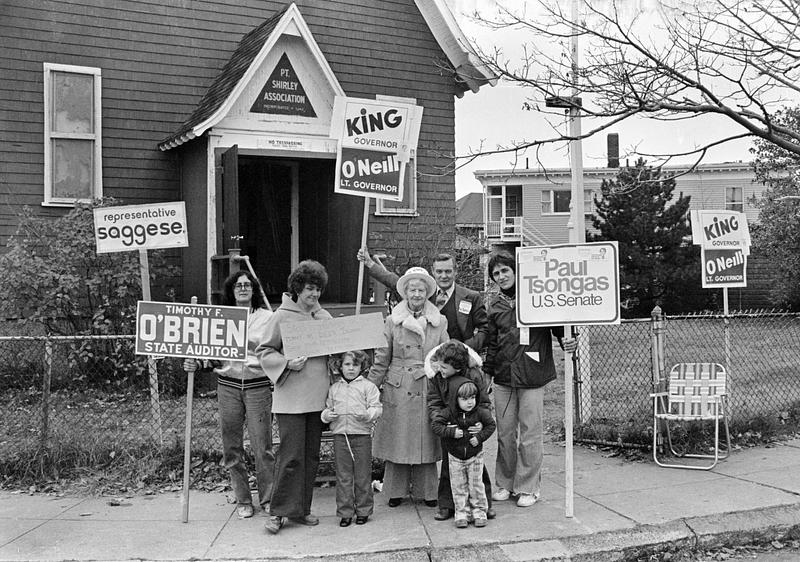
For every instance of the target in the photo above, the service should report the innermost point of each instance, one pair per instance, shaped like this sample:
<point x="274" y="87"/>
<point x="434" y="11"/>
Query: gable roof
<point x="256" y="44"/>
<point x="469" y="210"/>
<point x="468" y="66"/>
<point x="252" y="50"/>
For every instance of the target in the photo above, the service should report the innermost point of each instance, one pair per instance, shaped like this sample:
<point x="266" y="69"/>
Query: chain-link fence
<point x="86" y="396"/>
<point x="620" y="365"/>
<point x="93" y="394"/>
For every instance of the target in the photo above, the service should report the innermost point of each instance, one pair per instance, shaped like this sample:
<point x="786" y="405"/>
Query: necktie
<point x="441" y="299"/>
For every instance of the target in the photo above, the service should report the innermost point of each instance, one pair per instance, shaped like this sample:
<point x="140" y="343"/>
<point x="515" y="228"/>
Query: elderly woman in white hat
<point x="403" y="436"/>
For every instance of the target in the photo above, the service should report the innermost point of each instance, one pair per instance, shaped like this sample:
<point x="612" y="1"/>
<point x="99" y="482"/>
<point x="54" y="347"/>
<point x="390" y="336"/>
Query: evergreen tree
<point x="658" y="263"/>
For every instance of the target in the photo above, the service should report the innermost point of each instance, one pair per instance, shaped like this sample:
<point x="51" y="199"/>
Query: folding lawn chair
<point x="697" y="392"/>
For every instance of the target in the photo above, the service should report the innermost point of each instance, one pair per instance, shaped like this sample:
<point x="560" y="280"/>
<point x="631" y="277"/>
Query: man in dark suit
<point x="466" y="322"/>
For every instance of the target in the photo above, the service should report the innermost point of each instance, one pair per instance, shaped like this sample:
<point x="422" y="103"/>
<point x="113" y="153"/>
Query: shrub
<point x="52" y="280"/>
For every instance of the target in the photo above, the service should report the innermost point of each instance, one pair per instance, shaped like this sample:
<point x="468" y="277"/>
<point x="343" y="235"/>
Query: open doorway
<point x="287" y="212"/>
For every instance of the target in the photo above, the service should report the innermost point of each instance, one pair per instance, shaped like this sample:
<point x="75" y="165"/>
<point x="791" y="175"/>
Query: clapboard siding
<point x="157" y="59"/>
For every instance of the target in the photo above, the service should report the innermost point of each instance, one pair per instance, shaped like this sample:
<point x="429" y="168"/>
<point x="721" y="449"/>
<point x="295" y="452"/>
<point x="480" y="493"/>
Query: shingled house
<point x="163" y="100"/>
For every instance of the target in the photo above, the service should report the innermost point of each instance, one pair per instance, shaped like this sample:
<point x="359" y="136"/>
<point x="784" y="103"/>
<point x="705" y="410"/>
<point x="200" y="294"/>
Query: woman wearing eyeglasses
<point x="244" y="393"/>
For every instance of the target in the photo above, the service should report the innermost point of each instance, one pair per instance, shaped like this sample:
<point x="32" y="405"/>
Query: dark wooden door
<point x="230" y="199"/>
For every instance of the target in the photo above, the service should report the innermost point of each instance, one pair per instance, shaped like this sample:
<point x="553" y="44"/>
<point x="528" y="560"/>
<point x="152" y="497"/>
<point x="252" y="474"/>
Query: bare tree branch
<point x="739" y="59"/>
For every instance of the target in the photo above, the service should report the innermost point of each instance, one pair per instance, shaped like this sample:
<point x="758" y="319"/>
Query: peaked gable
<point x="243" y="66"/>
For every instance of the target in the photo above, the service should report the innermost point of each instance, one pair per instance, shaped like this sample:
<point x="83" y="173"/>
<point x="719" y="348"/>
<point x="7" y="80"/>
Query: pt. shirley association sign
<point x="376" y="140"/>
<point x="724" y="240"/>
<point x="568" y="284"/>
<point x="283" y="94"/>
<point x="140" y="227"/>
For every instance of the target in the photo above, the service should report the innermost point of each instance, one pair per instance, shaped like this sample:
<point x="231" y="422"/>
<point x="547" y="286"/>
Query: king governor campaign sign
<point x="376" y="140"/>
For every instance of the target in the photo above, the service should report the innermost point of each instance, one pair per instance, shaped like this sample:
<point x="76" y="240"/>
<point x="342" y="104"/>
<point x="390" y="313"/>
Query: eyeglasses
<point x="247" y="285"/>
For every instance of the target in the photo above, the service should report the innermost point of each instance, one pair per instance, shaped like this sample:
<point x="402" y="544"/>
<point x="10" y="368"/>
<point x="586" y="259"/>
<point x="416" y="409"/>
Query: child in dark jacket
<point x="465" y="450"/>
<point x="448" y="359"/>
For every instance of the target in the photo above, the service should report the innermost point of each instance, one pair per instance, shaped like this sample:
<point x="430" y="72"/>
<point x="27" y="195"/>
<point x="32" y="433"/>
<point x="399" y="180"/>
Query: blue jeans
<point x="253" y="406"/>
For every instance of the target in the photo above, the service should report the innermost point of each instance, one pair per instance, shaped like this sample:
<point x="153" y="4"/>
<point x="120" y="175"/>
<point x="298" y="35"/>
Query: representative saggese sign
<point x="191" y="330"/>
<point x="140" y="227"/>
<point x="376" y="140"/>
<point x="568" y="284"/>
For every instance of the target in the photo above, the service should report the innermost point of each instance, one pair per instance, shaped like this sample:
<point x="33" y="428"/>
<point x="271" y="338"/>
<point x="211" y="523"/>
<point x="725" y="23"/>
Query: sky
<point x="494" y="116"/>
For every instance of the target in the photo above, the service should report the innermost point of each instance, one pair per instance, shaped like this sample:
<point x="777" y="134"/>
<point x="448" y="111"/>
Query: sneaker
<point x="501" y="495"/>
<point x="361" y="519"/>
<point x="526" y="500"/>
<point x="491" y="513"/>
<point x="244" y="511"/>
<point x="480" y="521"/>
<point x="345" y="522"/>
<point x="274" y="524"/>
<point x="462" y="523"/>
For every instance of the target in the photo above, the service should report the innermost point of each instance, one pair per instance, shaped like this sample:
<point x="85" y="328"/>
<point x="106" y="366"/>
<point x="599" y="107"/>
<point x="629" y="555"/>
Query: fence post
<point x="46" y="383"/>
<point x="583" y="376"/>
<point x="658" y="365"/>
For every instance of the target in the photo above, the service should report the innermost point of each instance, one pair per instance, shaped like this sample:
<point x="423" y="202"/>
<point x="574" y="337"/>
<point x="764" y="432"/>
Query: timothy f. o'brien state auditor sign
<point x="568" y="284"/>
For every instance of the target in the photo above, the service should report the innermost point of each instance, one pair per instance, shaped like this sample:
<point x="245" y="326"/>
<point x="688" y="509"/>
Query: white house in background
<point x="531" y="207"/>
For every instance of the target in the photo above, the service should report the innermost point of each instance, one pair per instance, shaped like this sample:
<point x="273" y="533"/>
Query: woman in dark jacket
<point x="520" y="373"/>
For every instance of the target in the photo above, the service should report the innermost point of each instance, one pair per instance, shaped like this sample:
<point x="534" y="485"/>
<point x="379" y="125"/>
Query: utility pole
<point x="577" y="234"/>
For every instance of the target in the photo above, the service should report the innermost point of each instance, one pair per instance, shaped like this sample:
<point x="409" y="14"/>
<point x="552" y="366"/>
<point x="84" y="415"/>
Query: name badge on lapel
<point x="464" y="307"/>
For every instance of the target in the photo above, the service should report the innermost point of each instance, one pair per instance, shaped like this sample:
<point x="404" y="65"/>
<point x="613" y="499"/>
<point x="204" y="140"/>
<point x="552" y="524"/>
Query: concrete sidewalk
<point x="620" y="508"/>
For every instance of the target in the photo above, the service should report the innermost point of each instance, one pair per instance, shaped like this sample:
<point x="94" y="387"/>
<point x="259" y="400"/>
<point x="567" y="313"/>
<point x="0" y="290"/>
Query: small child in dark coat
<point x="465" y="450"/>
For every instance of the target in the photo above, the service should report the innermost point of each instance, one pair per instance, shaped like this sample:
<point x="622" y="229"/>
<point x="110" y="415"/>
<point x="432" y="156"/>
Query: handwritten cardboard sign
<point x="334" y="335"/>
<point x="191" y="330"/>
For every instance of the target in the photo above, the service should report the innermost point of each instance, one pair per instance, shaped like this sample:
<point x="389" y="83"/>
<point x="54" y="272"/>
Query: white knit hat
<point x="416" y="273"/>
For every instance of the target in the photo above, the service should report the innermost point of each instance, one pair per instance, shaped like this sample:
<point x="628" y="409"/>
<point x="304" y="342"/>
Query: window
<point x="408" y="206"/>
<point x="556" y="201"/>
<point x="733" y="199"/>
<point x="72" y="134"/>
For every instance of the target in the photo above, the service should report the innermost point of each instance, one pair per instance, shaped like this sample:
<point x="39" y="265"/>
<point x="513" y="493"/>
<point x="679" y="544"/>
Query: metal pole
<point x="726" y="311"/>
<point x="576" y="236"/>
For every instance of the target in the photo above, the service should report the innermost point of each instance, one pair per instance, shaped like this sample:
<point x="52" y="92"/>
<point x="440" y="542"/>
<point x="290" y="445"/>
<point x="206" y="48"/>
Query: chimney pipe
<point x="613" y="150"/>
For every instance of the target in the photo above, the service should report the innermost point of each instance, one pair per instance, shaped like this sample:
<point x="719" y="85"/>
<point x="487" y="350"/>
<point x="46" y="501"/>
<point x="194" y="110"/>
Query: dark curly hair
<point x="501" y="257"/>
<point x="360" y="357"/>
<point x="307" y="272"/>
<point x="256" y="301"/>
<point x="454" y="353"/>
